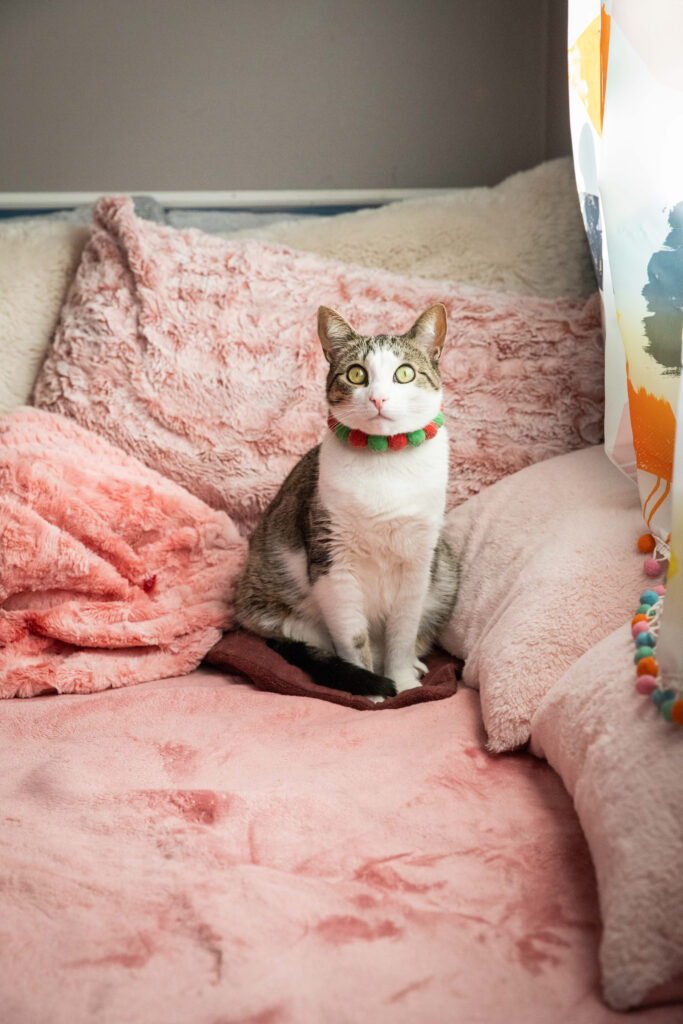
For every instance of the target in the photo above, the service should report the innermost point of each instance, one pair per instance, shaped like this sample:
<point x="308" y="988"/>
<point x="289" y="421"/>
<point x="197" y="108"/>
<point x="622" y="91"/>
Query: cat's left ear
<point x="429" y="330"/>
<point x="334" y="332"/>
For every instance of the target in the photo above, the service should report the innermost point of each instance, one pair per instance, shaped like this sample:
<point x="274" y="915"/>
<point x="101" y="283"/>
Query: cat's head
<point x="383" y="383"/>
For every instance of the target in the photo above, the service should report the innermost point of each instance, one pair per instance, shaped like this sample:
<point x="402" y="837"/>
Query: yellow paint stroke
<point x="673" y="566"/>
<point x="588" y="67"/>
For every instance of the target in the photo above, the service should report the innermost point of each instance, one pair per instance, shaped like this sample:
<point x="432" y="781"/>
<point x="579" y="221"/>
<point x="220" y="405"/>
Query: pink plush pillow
<point x="200" y="357"/>
<point x="548" y="567"/>
<point x="623" y="764"/>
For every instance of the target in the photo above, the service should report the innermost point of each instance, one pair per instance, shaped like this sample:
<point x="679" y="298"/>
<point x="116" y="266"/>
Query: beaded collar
<point x="382" y="442"/>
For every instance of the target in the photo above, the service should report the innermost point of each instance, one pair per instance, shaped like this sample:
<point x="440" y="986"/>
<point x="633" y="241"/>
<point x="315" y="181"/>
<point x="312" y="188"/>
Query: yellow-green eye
<point x="404" y="374"/>
<point x="356" y="374"/>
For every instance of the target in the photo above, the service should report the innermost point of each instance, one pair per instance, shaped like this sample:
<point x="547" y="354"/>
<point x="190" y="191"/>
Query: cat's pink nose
<point x="378" y="403"/>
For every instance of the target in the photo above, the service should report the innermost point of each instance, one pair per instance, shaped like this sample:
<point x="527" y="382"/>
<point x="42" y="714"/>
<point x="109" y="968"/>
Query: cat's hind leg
<point x="315" y="634"/>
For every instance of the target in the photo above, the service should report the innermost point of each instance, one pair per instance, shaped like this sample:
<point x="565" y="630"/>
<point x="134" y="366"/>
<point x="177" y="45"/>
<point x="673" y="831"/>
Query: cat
<point x="348" y="574"/>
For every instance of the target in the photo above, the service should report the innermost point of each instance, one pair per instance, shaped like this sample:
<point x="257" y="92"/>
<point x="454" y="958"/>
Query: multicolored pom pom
<point x="358" y="439"/>
<point x="645" y="628"/>
<point x="416" y="437"/>
<point x="651" y="567"/>
<point x="397" y="442"/>
<point x="647" y="667"/>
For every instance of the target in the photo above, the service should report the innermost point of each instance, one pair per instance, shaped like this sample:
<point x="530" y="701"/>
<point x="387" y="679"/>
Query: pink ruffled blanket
<point x="109" y="573"/>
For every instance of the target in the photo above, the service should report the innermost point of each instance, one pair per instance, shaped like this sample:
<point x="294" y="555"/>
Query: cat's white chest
<point x="374" y="498"/>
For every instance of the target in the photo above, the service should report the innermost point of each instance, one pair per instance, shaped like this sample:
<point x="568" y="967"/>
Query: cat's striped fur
<point x="348" y="573"/>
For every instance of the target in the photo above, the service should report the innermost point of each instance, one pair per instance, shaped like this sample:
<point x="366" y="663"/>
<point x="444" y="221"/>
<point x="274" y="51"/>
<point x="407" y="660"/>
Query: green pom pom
<point x="416" y="437"/>
<point x="642" y="609"/>
<point x="438" y="419"/>
<point x="378" y="443"/>
<point x="666" y="706"/>
<point x="643" y="652"/>
<point x="342" y="432"/>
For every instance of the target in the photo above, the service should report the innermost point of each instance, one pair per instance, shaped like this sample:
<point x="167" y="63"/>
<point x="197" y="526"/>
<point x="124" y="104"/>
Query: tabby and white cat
<point x="348" y="574"/>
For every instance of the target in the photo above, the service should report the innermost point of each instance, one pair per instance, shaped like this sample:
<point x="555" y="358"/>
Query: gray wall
<point x="278" y="94"/>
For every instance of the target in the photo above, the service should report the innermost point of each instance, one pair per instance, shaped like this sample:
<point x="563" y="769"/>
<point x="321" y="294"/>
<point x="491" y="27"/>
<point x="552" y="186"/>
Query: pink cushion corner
<point x="548" y="566"/>
<point x="623" y="764"/>
<point x="199" y="356"/>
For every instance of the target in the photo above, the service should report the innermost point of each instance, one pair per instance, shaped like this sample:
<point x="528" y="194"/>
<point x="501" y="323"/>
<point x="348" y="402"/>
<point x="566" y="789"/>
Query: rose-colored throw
<point x="199" y="356"/>
<point x="110" y="574"/>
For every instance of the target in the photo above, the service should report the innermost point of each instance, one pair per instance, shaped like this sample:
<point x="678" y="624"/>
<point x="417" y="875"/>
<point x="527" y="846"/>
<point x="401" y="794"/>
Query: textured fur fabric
<point x="524" y="236"/>
<point x="548" y="567"/>
<point x="200" y="357"/>
<point x="623" y="765"/>
<point x="195" y="851"/>
<point x="37" y="263"/>
<point x="110" y="575"/>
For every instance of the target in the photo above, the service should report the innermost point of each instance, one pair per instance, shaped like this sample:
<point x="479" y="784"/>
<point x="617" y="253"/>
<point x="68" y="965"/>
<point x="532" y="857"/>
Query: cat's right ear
<point x="333" y="331"/>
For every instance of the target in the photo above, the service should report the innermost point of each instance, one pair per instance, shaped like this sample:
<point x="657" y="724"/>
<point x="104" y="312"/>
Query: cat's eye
<point x="404" y="374"/>
<point x="356" y="374"/>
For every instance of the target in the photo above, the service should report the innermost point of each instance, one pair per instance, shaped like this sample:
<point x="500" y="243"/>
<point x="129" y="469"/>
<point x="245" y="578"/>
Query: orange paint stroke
<point x="654" y="431"/>
<point x="605" y="24"/>
<point x="647" y="500"/>
<point x="660" y="502"/>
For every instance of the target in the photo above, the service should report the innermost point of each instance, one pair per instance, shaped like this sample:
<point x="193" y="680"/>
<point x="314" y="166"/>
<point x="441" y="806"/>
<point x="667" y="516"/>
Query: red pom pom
<point x="331" y="422"/>
<point x="397" y="441"/>
<point x="652" y="567"/>
<point x="646" y="543"/>
<point x="357" y="439"/>
<point x="430" y="430"/>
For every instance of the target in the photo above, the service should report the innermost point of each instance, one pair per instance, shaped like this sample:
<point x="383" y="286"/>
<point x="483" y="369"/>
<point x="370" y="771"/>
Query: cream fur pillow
<point x="524" y="236"/>
<point x="38" y="259"/>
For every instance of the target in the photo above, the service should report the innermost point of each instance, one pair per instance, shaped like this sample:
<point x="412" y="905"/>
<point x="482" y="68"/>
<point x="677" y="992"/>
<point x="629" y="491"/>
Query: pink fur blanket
<point x="110" y="574"/>
<point x="195" y="851"/>
<point x="199" y="356"/>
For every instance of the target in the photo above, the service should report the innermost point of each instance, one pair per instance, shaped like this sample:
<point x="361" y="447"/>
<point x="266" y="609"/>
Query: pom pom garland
<point x="645" y="630"/>
<point x="382" y="442"/>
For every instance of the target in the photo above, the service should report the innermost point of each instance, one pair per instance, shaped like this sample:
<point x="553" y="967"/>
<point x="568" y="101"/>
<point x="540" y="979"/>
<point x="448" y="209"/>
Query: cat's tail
<point x="327" y="669"/>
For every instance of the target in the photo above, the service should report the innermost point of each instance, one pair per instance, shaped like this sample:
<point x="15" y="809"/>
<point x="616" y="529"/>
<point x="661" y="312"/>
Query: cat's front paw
<point x="420" y="667"/>
<point x="405" y="680"/>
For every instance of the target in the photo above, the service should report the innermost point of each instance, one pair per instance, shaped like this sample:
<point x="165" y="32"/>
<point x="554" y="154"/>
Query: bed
<point x="198" y="850"/>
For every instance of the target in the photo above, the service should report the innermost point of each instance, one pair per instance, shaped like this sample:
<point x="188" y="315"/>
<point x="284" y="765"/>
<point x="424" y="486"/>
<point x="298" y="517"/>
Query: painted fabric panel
<point x="626" y="112"/>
